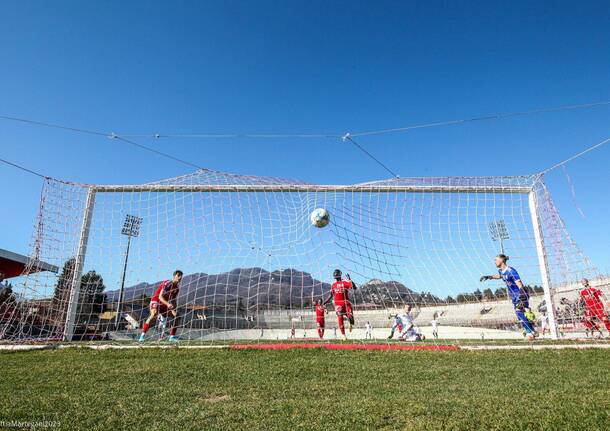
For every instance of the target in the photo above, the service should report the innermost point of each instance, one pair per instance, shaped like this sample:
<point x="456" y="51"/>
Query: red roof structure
<point x="14" y="265"/>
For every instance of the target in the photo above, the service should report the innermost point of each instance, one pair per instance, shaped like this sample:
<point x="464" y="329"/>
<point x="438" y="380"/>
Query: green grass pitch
<point x="211" y="389"/>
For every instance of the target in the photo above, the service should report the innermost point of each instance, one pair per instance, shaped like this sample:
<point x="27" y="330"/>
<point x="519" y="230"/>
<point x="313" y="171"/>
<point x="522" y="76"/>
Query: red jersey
<point x="320" y="311"/>
<point x="339" y="290"/>
<point x="592" y="297"/>
<point x="169" y="289"/>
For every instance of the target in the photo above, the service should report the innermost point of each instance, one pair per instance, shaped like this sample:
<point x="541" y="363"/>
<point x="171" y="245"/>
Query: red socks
<point x="340" y="319"/>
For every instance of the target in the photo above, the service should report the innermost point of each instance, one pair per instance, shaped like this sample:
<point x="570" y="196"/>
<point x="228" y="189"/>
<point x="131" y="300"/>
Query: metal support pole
<point x="542" y="262"/>
<point x="119" y="309"/>
<point x="78" y="266"/>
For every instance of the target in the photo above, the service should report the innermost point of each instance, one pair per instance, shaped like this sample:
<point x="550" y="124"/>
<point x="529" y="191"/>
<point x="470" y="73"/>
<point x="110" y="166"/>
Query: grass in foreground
<point x="307" y="389"/>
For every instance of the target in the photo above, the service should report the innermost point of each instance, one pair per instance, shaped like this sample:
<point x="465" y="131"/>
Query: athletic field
<point x="231" y="389"/>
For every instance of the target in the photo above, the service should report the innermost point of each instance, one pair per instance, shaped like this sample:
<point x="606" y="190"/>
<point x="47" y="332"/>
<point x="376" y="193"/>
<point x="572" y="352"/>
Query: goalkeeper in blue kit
<point x="516" y="292"/>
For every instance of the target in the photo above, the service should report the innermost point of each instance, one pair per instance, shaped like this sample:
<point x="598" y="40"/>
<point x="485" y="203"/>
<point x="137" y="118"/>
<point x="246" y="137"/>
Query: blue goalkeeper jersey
<point x="510" y="277"/>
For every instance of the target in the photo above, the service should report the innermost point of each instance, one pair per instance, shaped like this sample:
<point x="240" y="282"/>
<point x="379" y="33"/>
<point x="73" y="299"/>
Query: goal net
<point x="254" y="265"/>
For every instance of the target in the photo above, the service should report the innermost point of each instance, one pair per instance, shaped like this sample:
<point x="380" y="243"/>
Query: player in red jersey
<point x="164" y="302"/>
<point x="594" y="307"/>
<point x="340" y="295"/>
<point x="320" y="317"/>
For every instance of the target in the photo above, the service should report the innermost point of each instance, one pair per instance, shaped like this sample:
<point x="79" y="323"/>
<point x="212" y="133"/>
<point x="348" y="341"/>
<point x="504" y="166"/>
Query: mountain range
<point x="286" y="287"/>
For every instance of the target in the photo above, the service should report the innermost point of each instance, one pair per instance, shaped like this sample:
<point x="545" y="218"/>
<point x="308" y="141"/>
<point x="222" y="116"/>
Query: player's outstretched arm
<point x="350" y="279"/>
<point x="330" y="296"/>
<point x="490" y="277"/>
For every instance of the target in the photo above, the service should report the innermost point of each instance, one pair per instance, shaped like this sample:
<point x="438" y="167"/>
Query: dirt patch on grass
<point x="213" y="399"/>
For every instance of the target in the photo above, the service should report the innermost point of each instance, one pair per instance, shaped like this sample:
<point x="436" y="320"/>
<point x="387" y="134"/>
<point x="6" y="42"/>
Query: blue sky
<point x="285" y="67"/>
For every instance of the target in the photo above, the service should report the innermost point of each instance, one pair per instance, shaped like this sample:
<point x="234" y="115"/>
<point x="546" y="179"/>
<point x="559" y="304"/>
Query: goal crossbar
<point x="295" y="188"/>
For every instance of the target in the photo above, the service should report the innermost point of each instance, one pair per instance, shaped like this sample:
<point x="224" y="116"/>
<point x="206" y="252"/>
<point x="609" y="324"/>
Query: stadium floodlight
<point x="131" y="228"/>
<point x="499" y="232"/>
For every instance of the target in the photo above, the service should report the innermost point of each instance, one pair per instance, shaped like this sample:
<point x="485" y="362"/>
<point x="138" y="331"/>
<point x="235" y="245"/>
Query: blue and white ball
<point x="319" y="217"/>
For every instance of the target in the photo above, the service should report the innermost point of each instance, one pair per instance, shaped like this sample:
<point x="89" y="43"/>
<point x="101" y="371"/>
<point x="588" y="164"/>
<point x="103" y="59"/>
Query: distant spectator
<point x="543" y="321"/>
<point x="434" y="324"/>
<point x="369" y="331"/>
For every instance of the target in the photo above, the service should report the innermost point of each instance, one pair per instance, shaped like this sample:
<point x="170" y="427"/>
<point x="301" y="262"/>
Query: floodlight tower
<point x="131" y="228"/>
<point x="498" y="232"/>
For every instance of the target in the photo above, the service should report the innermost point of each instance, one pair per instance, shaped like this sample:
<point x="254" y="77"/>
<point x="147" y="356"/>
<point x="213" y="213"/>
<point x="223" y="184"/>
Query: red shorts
<point x="595" y="312"/>
<point x="345" y="308"/>
<point x="320" y="323"/>
<point x="161" y="308"/>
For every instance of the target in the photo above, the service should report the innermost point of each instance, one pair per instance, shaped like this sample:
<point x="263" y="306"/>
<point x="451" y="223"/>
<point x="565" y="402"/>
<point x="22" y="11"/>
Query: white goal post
<point x="544" y="270"/>
<point x="92" y="190"/>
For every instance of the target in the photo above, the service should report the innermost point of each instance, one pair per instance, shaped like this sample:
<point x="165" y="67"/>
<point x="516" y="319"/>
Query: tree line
<point x="489" y="295"/>
<point x="92" y="299"/>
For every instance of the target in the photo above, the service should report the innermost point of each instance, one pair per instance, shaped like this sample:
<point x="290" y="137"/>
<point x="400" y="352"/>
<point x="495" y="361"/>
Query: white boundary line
<point x="537" y="347"/>
<point x="26" y="347"/>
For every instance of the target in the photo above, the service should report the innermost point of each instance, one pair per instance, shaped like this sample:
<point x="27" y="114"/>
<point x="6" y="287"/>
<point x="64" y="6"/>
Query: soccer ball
<point x="319" y="217"/>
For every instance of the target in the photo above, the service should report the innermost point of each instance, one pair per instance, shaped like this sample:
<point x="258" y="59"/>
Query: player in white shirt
<point x="161" y="325"/>
<point x="434" y="324"/>
<point x="404" y="322"/>
<point x="369" y="331"/>
<point x="544" y="324"/>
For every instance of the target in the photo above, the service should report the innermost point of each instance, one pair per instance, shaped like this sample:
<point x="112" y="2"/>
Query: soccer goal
<point x="254" y="264"/>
